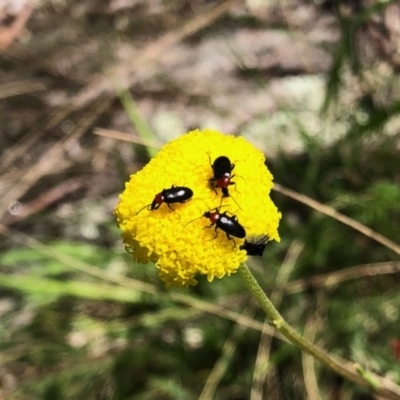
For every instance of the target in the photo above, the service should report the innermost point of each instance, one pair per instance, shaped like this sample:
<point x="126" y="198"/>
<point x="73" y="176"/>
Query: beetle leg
<point x="155" y="206"/>
<point x="231" y="238"/>
<point x="225" y="192"/>
<point x="210" y="226"/>
<point x="169" y="206"/>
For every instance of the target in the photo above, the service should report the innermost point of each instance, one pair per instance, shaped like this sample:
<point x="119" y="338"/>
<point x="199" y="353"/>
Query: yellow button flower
<point x="178" y="240"/>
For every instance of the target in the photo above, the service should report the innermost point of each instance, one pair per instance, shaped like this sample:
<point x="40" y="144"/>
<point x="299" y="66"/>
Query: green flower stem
<point x="348" y="370"/>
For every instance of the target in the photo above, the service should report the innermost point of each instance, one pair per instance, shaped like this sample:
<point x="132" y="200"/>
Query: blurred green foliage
<point x="70" y="335"/>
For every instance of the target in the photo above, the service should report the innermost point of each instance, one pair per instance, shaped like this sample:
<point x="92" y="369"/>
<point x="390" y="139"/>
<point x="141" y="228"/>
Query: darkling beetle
<point x="255" y="246"/>
<point x="229" y="224"/>
<point x="222" y="170"/>
<point x="175" y="194"/>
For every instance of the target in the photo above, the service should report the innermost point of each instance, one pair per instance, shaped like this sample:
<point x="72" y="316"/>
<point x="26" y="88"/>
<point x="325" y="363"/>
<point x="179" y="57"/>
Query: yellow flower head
<point x="179" y="241"/>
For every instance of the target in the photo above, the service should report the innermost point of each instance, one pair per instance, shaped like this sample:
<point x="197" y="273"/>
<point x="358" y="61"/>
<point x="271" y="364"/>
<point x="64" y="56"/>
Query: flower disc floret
<point x="179" y="241"/>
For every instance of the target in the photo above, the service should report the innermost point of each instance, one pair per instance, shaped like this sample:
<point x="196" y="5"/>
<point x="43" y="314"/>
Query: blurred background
<point x="83" y="84"/>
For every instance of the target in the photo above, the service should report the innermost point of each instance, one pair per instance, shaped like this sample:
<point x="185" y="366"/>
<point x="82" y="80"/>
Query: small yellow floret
<point x="177" y="241"/>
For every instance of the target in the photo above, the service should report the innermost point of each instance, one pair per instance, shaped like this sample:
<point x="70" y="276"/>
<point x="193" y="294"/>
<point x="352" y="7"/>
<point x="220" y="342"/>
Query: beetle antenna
<point x="209" y="158"/>
<point x="236" y="202"/>
<point x="241" y="177"/>
<point x="219" y="207"/>
<point x="147" y="205"/>
<point x="192" y="221"/>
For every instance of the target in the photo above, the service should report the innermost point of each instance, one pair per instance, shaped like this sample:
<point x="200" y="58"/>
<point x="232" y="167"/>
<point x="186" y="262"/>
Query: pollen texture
<point x="181" y="242"/>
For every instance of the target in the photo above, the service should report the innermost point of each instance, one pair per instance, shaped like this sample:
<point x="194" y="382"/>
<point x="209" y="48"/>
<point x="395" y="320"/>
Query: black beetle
<point x="255" y="246"/>
<point x="222" y="175"/>
<point x="229" y="224"/>
<point x="175" y="194"/>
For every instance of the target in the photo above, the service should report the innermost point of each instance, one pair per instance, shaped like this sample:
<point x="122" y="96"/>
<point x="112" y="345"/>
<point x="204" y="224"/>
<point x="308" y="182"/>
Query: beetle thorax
<point x="159" y="198"/>
<point x="214" y="217"/>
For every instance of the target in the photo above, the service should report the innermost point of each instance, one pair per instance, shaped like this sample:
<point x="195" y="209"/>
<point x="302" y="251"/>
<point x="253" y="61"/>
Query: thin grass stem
<point x="350" y="371"/>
